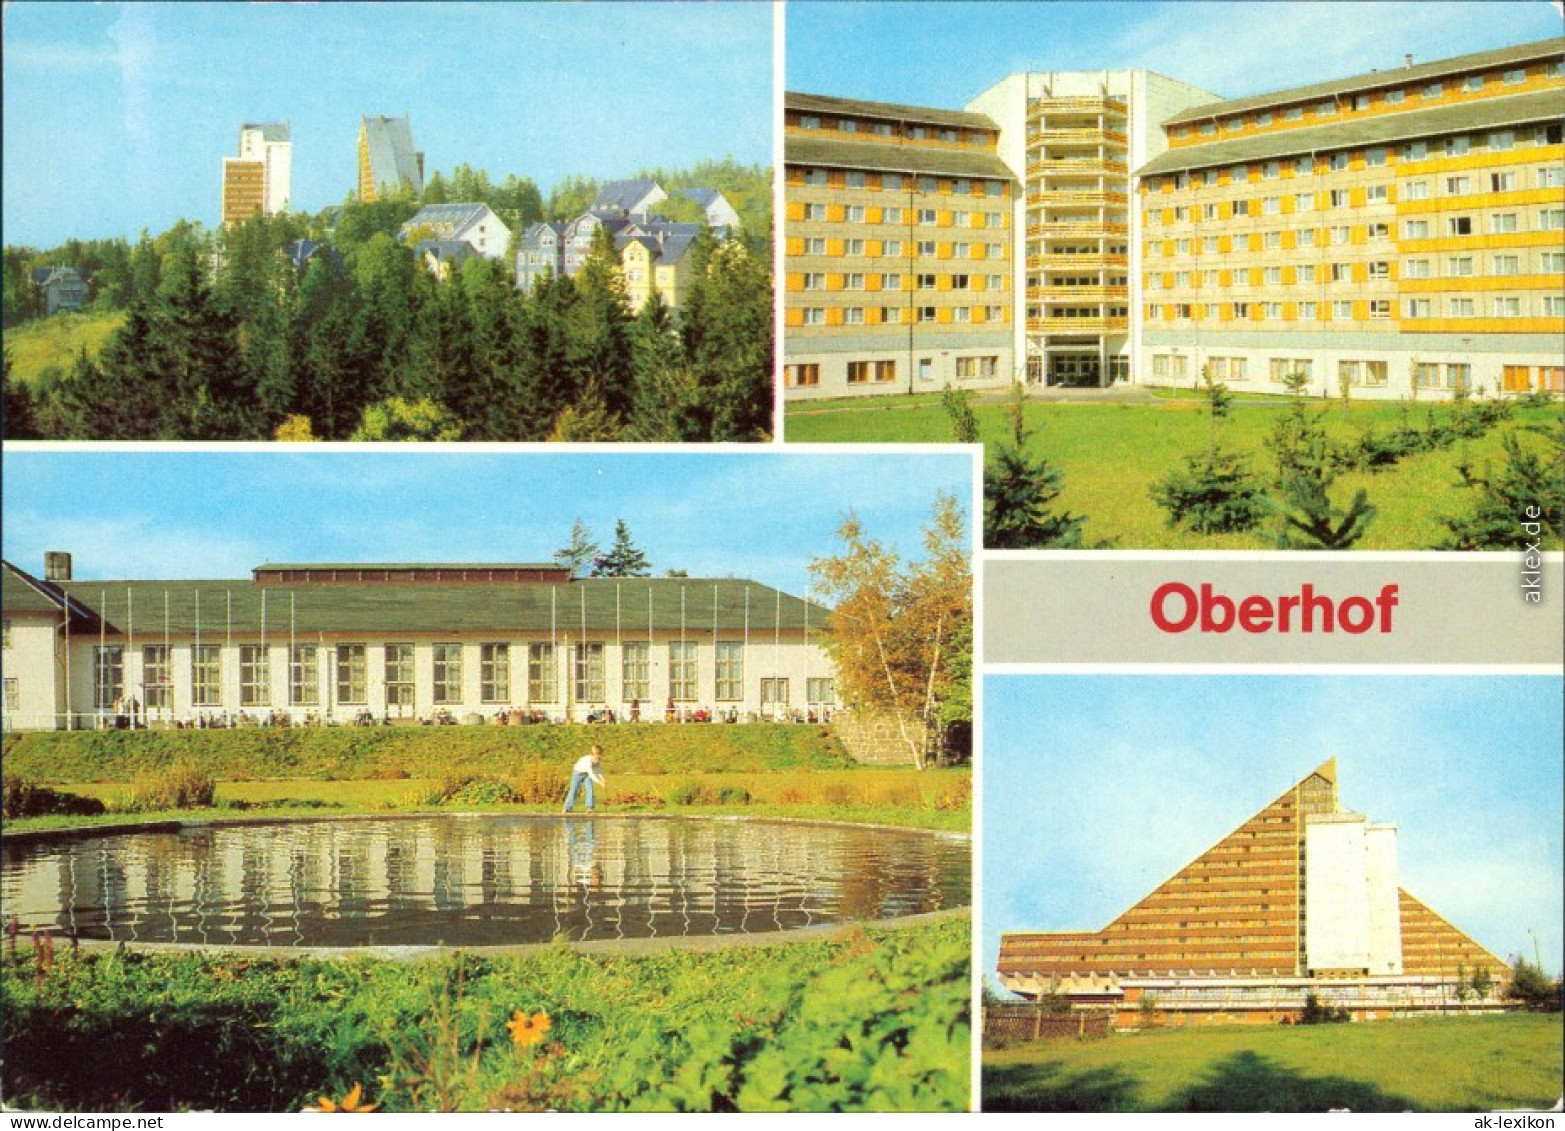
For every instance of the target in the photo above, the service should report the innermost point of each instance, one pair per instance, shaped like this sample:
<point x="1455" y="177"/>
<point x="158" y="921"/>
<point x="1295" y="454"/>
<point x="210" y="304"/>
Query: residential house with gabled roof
<point x="721" y="216"/>
<point x="630" y="198"/>
<point x="59" y="288"/>
<point x="473" y="224"/>
<point x="540" y="250"/>
<point x="339" y="642"/>
<point x="387" y="159"/>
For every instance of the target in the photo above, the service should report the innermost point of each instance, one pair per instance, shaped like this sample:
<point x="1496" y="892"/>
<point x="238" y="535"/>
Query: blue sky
<point x="761" y="515"/>
<point x="1097" y="789"/>
<point x="118" y="116"/>
<point x="944" y="54"/>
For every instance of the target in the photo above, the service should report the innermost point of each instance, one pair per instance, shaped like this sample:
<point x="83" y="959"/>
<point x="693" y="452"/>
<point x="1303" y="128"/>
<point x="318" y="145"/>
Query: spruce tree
<point x="598" y="345"/>
<point x="624" y="559"/>
<point x="580" y="552"/>
<point x="1215" y="492"/>
<point x="1306" y="469"/>
<point x="1018" y="489"/>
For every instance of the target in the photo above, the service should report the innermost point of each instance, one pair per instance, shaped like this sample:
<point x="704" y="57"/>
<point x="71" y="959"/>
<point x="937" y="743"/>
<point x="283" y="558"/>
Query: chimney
<point x="56" y="565"/>
<point x="1407" y="60"/>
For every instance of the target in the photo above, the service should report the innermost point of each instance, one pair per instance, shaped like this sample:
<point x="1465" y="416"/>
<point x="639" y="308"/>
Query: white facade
<point x="257" y="143"/>
<point x="1352" y="918"/>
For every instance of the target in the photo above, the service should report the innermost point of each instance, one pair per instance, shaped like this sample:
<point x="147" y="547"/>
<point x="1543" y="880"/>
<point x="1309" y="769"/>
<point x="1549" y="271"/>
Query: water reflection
<point x="474" y="881"/>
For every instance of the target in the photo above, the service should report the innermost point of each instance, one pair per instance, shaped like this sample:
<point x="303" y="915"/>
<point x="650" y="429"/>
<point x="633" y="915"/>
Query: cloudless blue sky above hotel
<point x="118" y="116"/>
<point x="946" y="53"/>
<point x="1097" y="789"/>
<point x="761" y="515"/>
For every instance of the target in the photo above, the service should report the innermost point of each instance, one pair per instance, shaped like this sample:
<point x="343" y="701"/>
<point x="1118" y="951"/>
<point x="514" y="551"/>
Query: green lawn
<point x="1111" y="454"/>
<point x="42" y="342"/>
<point x="1434" y="1064"/>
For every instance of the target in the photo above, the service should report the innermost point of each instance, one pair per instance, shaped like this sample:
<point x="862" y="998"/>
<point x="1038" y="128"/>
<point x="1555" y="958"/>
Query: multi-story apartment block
<point x="257" y="182"/>
<point x="1397" y="233"/>
<point x="1072" y="139"/>
<point x="336" y="642"/>
<point x="1301" y="899"/>
<point x="899" y="249"/>
<point x="387" y="159"/>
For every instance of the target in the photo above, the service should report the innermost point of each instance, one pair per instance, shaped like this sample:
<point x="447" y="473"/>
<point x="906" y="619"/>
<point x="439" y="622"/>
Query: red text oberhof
<point x="1177" y="607"/>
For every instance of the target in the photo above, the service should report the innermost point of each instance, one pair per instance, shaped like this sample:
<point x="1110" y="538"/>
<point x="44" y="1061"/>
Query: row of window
<point x="1348" y="310"/>
<point x="911" y="131"/>
<point x="923" y="281"/>
<point x="1341" y="235"/>
<point x="1364" y="373"/>
<point x="862" y="214"/>
<point x="897" y="182"/>
<point x="1455" y="267"/>
<point x="1456" y="145"/>
<point x="894" y="315"/>
<point x="883" y="371"/>
<point x="351" y="674"/>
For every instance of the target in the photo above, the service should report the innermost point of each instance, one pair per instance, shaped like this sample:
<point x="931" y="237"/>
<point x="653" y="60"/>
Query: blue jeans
<point x="576" y="783"/>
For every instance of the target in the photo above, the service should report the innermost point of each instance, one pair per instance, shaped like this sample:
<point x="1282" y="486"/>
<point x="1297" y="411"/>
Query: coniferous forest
<point x="226" y="337"/>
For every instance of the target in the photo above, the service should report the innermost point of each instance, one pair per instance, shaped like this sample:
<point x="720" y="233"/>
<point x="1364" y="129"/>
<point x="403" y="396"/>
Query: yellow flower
<point x="528" y="1031"/>
<point x="349" y="1103"/>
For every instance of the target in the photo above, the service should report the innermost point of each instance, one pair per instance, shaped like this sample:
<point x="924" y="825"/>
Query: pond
<point x="474" y="880"/>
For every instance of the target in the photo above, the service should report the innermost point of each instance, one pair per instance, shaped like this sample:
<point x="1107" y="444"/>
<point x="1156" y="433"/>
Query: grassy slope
<point x="1111" y="454"/>
<point x="1451" y="1064"/>
<point x="368" y="752"/>
<point x="934" y="799"/>
<point x="38" y="344"/>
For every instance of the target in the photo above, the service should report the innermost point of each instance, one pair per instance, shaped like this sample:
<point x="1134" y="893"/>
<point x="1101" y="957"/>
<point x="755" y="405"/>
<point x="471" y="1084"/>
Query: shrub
<point x="683" y="792"/>
<point x="24" y="799"/>
<point x="1314" y="1013"/>
<point x="176" y="787"/>
<point x="1215" y="493"/>
<point x="472" y="789"/>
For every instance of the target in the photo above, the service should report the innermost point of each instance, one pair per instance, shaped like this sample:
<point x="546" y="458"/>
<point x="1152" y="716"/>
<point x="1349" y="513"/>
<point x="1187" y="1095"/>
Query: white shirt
<point x="584" y="765"/>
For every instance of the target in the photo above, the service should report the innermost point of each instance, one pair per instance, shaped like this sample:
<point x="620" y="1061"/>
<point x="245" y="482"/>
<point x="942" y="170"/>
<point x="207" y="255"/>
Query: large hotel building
<point x="1301" y="899"/>
<point x="1394" y="234"/>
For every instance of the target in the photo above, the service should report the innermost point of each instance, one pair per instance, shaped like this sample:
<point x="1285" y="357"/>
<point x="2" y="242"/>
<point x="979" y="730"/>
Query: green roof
<point x="1487" y="113"/>
<point x="892" y="157"/>
<point x="894" y="111"/>
<point x="22" y="594"/>
<point x="431" y="566"/>
<point x="505" y="609"/>
<point x="1375" y="80"/>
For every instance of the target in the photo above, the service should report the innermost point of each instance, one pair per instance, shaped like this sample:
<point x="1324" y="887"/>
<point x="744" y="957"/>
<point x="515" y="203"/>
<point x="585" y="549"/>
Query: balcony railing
<point x="1079" y="104"/>
<point x="1048" y="166"/>
<point x="1077" y="293"/>
<point x="1105" y="198"/>
<point x="1086" y="262"/>
<point x="1052" y="325"/>
<point x="1086" y="229"/>
<point x="1077" y="134"/>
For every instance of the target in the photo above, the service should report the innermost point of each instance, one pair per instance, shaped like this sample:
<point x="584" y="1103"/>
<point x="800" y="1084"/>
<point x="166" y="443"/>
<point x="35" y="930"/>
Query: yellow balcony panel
<point x="1467" y="283"/>
<point x="1052" y="325"/>
<point x="1086" y="262"/>
<point x="1108" y="137"/>
<point x="1089" y="229"/>
<point x="1075" y="294"/>
<point x="1475" y="326"/>
<point x="1083" y="166"/>
<point x="1076" y="104"/>
<point x="1101" y="198"/>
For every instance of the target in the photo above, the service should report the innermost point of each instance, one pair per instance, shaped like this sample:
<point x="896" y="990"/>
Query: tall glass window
<point x="494" y="672"/>
<point x="155" y="681"/>
<point x="352" y="674"/>
<point x="304" y="675"/>
<point x="541" y="686"/>
<point x="730" y="669"/>
<point x="399" y="675"/>
<point x="589" y="673"/>
<point x="448" y="673"/>
<point x="682" y="670"/>
<point x="255" y="676"/>
<point x="206" y="675"/>
<point x="108" y="675"/>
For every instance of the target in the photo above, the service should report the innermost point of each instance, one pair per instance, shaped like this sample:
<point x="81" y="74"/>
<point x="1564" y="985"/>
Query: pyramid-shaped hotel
<point x="1302" y="898"/>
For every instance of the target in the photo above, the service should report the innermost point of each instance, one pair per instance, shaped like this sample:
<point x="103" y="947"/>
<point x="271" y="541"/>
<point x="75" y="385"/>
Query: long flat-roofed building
<point x="899" y="248"/>
<point x="338" y="642"/>
<point x="1302" y="898"/>
<point x="1398" y="233"/>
